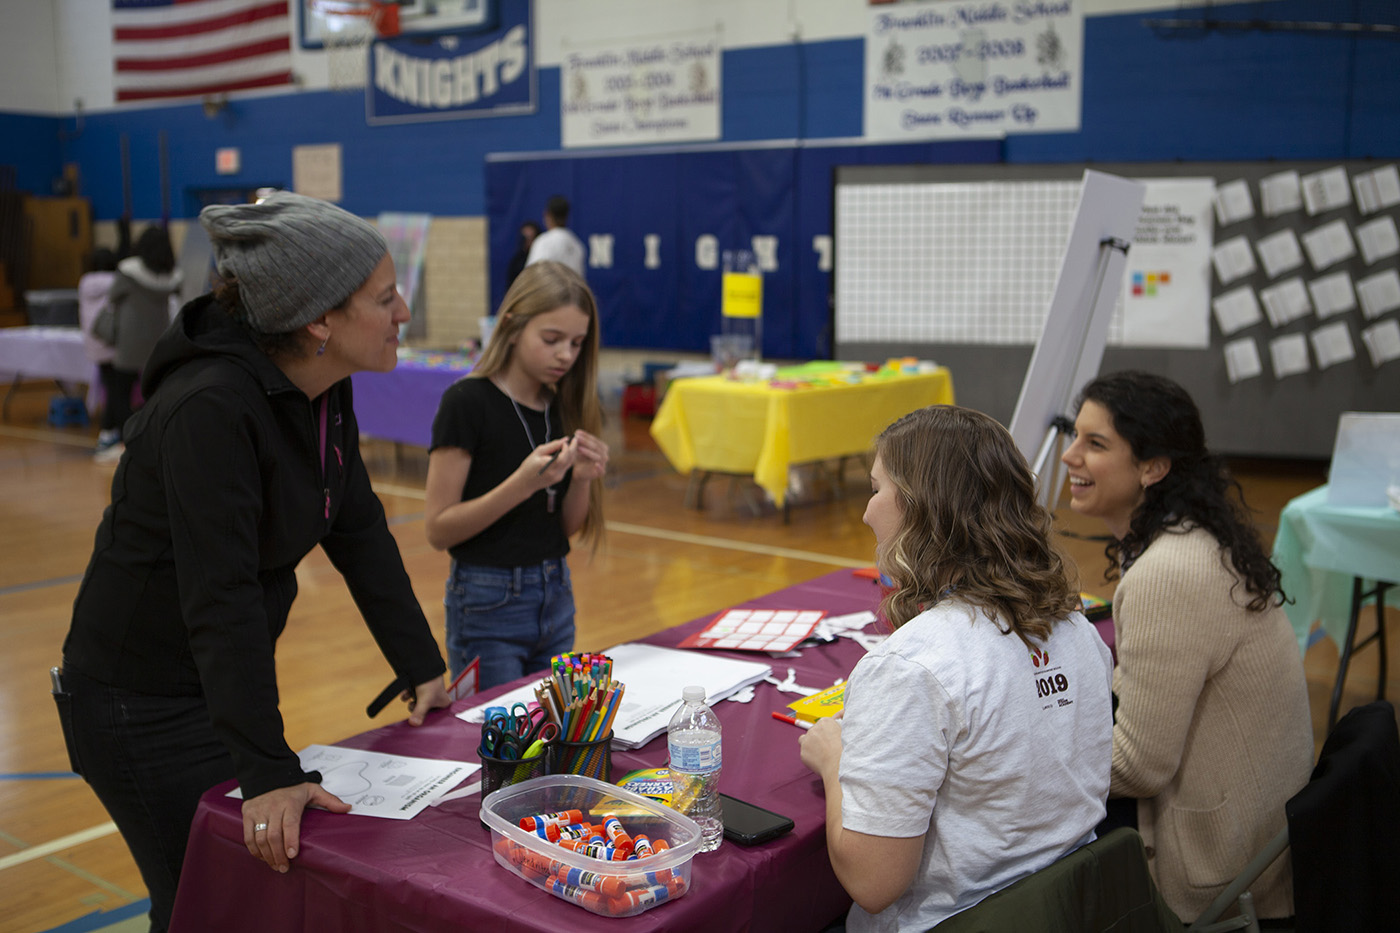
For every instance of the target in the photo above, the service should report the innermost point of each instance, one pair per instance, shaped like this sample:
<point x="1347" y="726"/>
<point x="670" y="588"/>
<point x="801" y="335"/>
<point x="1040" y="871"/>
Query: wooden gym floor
<point x="61" y="861"/>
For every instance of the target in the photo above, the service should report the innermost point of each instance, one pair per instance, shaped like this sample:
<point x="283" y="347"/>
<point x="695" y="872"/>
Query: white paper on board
<point x="1382" y="342"/>
<point x="1287" y="301"/>
<point x="1242" y="359"/>
<point x="1279" y="193"/>
<point x="1233" y="259"/>
<point x="1332" y="344"/>
<point x="1236" y="309"/>
<point x="1325" y="190"/>
<point x="1289" y="355"/>
<point x="1332" y="294"/>
<point x="1233" y="203"/>
<point x="1279" y="252"/>
<point x="1378" y="239"/>
<point x="1328" y="244"/>
<point x="1378" y="293"/>
<point x="1377" y="190"/>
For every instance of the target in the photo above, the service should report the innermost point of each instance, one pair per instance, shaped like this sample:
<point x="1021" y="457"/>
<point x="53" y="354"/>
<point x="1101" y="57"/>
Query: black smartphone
<point x="749" y="825"/>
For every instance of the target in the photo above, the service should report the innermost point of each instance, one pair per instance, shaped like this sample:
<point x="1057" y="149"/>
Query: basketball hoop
<point x="349" y="28"/>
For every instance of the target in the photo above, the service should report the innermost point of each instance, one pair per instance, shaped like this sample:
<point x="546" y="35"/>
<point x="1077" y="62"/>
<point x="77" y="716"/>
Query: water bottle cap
<point x="693" y="694"/>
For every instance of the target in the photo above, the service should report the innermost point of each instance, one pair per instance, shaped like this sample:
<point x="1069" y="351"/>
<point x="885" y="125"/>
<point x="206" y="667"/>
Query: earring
<point x="321" y="350"/>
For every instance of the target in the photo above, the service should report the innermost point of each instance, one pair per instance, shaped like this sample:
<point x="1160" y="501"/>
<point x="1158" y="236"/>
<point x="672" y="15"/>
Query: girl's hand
<point x="590" y="459"/>
<point x="546" y="464"/>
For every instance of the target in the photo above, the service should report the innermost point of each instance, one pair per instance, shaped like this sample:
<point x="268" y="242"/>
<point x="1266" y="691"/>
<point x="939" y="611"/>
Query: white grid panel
<point x="958" y="263"/>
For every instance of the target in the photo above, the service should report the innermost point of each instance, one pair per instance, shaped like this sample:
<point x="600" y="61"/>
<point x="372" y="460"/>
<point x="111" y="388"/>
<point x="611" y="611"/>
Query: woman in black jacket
<point x="244" y="458"/>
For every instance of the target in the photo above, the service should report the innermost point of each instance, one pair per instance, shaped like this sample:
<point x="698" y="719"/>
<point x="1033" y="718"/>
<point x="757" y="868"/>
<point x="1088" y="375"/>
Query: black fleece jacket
<point x="223" y="489"/>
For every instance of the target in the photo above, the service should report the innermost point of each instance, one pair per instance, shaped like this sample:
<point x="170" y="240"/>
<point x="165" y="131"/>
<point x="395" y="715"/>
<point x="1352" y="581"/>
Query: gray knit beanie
<point x="293" y="257"/>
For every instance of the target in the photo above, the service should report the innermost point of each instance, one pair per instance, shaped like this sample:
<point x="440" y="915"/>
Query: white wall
<point x="29" y="60"/>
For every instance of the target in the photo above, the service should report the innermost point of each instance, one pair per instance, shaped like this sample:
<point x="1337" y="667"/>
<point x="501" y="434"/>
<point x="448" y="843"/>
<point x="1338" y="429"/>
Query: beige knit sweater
<point x="1213" y="731"/>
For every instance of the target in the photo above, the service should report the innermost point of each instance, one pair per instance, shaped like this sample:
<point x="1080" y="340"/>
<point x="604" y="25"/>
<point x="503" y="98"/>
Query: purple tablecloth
<point x="399" y="405"/>
<point x="436" y="871"/>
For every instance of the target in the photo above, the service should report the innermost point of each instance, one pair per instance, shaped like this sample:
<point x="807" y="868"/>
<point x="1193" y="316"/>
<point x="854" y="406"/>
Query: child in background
<point x="92" y="298"/>
<point x="515" y="468"/>
<point x="973" y="748"/>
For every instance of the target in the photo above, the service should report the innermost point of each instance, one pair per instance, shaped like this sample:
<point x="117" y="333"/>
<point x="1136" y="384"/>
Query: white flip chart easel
<point x="1071" y="342"/>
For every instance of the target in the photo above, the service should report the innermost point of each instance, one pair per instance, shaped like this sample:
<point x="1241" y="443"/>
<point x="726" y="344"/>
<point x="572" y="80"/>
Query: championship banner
<point x="952" y="69"/>
<point x="654" y="92"/>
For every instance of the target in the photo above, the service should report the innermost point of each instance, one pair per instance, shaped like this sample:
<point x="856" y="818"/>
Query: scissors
<point x="499" y="742"/>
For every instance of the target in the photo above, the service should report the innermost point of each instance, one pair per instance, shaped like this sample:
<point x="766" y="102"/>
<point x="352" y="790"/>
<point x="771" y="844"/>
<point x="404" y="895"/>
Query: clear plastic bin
<point x="607" y="888"/>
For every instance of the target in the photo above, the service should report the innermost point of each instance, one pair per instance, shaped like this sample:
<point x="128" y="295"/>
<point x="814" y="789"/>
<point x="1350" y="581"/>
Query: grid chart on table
<point x="757" y="630"/>
<point x="964" y="262"/>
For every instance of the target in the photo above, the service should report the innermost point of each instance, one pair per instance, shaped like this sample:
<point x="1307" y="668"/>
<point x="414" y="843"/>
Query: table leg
<point x="1348" y="647"/>
<point x="1380" y="637"/>
<point x="5" y="408"/>
<point x="695" y="489"/>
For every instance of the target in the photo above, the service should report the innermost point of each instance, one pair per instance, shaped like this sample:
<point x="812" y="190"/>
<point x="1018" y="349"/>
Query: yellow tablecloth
<point x="719" y="424"/>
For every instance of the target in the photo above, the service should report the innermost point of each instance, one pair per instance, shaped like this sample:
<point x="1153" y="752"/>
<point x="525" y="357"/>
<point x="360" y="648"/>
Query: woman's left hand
<point x="429" y="695"/>
<point x="590" y="456"/>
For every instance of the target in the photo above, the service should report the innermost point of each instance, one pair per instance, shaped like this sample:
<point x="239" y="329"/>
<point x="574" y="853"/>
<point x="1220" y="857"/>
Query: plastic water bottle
<point x="693" y="738"/>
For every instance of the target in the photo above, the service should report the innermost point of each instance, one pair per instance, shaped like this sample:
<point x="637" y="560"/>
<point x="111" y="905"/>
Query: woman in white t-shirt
<point x="975" y="744"/>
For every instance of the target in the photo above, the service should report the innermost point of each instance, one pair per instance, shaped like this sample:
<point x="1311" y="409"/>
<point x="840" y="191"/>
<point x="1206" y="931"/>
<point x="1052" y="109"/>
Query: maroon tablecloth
<point x="436" y="871"/>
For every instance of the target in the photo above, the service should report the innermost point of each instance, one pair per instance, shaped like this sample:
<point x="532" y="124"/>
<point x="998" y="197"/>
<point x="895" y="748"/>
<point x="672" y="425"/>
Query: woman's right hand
<point x="280" y="812"/>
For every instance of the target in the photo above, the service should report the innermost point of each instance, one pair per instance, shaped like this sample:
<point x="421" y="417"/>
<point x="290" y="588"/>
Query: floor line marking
<point x="57" y="845"/>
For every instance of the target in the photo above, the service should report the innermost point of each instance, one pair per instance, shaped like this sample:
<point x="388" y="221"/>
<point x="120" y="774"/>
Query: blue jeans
<point x="513" y="618"/>
<point x="149" y="758"/>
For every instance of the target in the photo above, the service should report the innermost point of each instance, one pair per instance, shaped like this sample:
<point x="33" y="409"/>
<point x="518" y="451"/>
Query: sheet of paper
<point x="1331" y="344"/>
<point x="1287" y="301"/>
<point x="1328" y="244"/>
<point x="1325" y="190"/>
<point x="756" y="630"/>
<point x="391" y="787"/>
<point x="1379" y="293"/>
<point x="1279" y="193"/>
<point x="1332" y="294"/>
<point x="1279" y="252"/>
<point x="653" y="678"/>
<point x="1289" y="354"/>
<point x="1236" y="309"/>
<point x="1378" y="239"/>
<point x="1233" y="259"/>
<point x="1378" y="189"/>
<point x="1382" y="342"/>
<point x="1233" y="203"/>
<point x="1242" y="359"/>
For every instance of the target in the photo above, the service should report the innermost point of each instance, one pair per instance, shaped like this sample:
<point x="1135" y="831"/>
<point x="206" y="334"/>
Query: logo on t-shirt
<point x="1048" y="683"/>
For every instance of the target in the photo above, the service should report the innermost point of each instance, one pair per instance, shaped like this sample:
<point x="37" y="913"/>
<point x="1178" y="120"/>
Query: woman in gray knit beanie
<point x="244" y="458"/>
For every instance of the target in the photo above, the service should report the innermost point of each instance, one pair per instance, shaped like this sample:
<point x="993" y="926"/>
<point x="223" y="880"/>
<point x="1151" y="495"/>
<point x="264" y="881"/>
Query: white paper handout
<point x="652" y="677"/>
<point x="1331" y="344"/>
<point x="391" y="787"/>
<point x="1287" y="301"/>
<point x="1328" y="243"/>
<point x="1242" y="359"/>
<point x="1378" y="239"/>
<point x="1279" y="193"/>
<point x="1233" y="203"/>
<point x="1332" y="294"/>
<point x="1289" y="355"/>
<point x="1325" y="190"/>
<point x="1279" y="252"/>
<point x="1377" y="189"/>
<point x="1379" y="293"/>
<point x="1382" y="341"/>
<point x="1233" y="258"/>
<point x="1236" y="309"/>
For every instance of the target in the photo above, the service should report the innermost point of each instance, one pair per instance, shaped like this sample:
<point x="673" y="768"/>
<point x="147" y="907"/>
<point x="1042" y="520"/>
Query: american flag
<point x="193" y="48"/>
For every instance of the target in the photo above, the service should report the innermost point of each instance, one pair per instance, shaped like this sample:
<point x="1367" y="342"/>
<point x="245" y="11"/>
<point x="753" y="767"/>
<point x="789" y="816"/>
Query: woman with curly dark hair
<point x="974" y="745"/>
<point x="1213" y="731"/>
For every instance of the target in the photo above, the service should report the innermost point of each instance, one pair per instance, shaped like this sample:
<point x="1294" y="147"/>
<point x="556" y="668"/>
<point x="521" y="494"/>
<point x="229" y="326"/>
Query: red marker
<point x="793" y="720"/>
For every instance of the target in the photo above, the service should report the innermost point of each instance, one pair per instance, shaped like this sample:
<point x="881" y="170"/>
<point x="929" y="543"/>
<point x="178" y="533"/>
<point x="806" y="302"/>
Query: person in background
<point x="558" y="242"/>
<point x="515" y="469"/>
<point x="528" y="231"/>
<point x="92" y="298"/>
<point x="140" y="297"/>
<point x="244" y="458"/>
<point x="973" y="748"/>
<point x="1213" y="730"/>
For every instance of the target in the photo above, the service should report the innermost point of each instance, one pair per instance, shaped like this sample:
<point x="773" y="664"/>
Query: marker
<point x="793" y="720"/>
<point x="554" y="456"/>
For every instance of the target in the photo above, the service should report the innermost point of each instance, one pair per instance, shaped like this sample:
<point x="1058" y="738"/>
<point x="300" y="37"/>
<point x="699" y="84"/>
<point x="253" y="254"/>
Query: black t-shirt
<point x="479" y="418"/>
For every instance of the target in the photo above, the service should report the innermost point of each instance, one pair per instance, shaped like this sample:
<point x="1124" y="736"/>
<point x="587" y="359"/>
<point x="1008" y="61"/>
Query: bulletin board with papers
<point x="1270" y="290"/>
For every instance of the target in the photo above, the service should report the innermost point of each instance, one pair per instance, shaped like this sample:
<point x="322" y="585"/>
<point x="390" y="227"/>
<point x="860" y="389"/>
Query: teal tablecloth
<point x="1320" y="548"/>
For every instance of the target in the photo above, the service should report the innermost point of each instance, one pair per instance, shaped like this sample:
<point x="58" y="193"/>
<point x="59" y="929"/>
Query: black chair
<point x="1103" y="887"/>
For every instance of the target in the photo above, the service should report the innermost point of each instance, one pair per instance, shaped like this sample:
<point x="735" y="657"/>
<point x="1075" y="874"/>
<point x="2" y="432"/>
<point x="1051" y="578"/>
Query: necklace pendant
<point x="549" y="495"/>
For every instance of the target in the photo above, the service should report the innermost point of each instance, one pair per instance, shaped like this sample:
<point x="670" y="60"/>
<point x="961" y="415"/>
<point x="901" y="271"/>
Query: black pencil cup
<point x="590" y="759"/>
<point x="502" y="772"/>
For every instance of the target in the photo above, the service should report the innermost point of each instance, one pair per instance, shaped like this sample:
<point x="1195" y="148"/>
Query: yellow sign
<point x="742" y="295"/>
